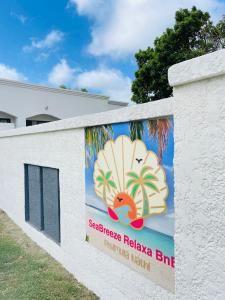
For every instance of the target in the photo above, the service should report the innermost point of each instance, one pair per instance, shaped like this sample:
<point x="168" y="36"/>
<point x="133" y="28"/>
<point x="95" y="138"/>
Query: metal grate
<point x="42" y="203"/>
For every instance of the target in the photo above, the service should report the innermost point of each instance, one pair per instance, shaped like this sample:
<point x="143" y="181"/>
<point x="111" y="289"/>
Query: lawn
<point x="27" y="272"/>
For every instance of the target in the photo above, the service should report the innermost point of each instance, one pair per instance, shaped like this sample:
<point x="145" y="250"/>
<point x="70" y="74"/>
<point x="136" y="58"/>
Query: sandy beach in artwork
<point x="150" y="267"/>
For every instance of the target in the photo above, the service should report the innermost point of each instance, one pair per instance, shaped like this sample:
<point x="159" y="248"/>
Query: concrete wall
<point x="6" y="126"/>
<point x="25" y="100"/>
<point x="199" y="112"/>
<point x="198" y="107"/>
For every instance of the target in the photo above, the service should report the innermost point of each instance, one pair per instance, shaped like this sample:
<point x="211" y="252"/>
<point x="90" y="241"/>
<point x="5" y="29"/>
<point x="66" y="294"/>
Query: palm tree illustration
<point x="157" y="128"/>
<point x="141" y="181"/>
<point x="106" y="182"/>
<point x="136" y="130"/>
<point x="160" y="128"/>
<point x="95" y="139"/>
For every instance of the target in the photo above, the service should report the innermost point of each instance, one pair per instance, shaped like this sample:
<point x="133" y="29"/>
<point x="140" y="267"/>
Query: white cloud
<point x="110" y="82"/>
<point x="7" y="72"/>
<point x="103" y="80"/>
<point x="42" y="56"/>
<point x="61" y="73"/>
<point x="121" y="27"/>
<point x="19" y="17"/>
<point x="90" y="8"/>
<point x="51" y="39"/>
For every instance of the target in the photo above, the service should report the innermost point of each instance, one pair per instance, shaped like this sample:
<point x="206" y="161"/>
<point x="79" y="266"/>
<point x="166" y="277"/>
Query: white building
<point x="23" y="104"/>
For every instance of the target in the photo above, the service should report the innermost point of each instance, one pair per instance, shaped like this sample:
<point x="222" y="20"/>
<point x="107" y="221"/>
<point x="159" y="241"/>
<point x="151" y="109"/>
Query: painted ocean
<point x="146" y="236"/>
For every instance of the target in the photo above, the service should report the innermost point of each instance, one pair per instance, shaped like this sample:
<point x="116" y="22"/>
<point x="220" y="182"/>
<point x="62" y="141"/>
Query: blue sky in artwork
<point x="84" y="43"/>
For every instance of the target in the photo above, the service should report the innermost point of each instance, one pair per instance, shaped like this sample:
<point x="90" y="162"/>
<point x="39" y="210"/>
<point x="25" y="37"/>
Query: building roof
<point x="58" y="91"/>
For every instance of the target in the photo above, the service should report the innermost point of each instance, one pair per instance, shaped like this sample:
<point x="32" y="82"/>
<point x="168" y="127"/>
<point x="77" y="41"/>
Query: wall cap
<point x="199" y="68"/>
<point x="150" y="110"/>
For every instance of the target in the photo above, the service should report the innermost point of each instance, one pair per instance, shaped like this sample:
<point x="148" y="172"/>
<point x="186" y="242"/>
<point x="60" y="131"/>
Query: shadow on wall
<point x="40" y="119"/>
<point x="7" y="121"/>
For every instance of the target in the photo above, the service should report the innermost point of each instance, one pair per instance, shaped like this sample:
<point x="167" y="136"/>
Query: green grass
<point x="27" y="272"/>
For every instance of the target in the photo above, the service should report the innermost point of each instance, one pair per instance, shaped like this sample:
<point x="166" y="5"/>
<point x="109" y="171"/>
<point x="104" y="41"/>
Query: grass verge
<point x="27" y="272"/>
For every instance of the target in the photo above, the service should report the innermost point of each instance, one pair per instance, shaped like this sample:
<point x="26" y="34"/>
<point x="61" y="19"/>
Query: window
<point x="33" y="122"/>
<point x="42" y="204"/>
<point x="5" y="120"/>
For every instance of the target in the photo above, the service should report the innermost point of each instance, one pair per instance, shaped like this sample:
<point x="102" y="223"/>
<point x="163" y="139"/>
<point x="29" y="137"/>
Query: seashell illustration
<point x="130" y="180"/>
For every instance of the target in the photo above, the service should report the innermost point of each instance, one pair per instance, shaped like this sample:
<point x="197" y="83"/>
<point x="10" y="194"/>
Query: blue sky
<point x="84" y="43"/>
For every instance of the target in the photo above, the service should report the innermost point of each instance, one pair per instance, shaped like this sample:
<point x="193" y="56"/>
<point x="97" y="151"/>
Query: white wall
<point x="26" y="100"/>
<point x="64" y="149"/>
<point x="198" y="107"/>
<point x="6" y="126"/>
<point x="199" y="167"/>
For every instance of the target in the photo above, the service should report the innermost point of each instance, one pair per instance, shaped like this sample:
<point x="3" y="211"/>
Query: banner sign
<point x="130" y="195"/>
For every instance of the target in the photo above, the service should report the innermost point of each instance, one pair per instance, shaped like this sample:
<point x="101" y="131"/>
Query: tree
<point x="192" y="35"/>
<point x="136" y="130"/>
<point x="62" y="86"/>
<point x="106" y="182"/>
<point x="157" y="128"/>
<point x="140" y="181"/>
<point x="84" y="90"/>
<point x="95" y="139"/>
<point x="218" y="33"/>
